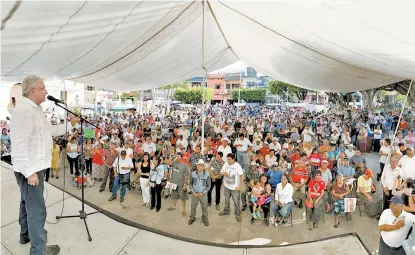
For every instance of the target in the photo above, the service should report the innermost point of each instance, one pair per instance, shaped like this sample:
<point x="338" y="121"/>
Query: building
<point x="195" y="81"/>
<point x="232" y="81"/>
<point x="251" y="72"/>
<point x="217" y="83"/>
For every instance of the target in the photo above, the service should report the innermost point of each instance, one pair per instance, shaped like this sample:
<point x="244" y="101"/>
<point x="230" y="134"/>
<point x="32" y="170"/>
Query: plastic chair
<point x="291" y="218"/>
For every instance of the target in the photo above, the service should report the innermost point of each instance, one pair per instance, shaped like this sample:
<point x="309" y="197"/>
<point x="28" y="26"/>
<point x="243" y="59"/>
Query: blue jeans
<point x="116" y="185"/>
<point x="282" y="211"/>
<point x="32" y="215"/>
<point x="242" y="159"/>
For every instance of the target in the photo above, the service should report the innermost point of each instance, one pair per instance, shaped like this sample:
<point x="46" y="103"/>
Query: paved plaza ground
<point x="225" y="229"/>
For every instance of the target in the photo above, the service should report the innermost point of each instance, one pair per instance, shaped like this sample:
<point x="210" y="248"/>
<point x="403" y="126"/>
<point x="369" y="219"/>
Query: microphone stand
<point x="82" y="214"/>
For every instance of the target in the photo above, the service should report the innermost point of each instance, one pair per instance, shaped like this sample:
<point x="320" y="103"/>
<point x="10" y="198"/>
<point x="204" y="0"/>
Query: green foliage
<point x="192" y="95"/>
<point x="183" y="85"/>
<point x="281" y="88"/>
<point x="250" y="95"/>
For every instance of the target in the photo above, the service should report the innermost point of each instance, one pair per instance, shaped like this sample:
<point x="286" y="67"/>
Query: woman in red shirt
<point x="314" y="201"/>
<point x="98" y="166"/>
<point x="315" y="160"/>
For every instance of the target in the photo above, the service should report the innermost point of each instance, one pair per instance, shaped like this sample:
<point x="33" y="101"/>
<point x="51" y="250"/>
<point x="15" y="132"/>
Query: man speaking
<point x="31" y="150"/>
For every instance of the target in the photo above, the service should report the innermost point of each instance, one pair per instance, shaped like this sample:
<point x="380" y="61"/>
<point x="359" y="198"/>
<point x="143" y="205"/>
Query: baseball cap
<point x="396" y="200"/>
<point x="369" y="173"/>
<point x="410" y="148"/>
<point x="324" y="161"/>
<point x="200" y="162"/>
<point x="275" y="165"/>
<point x="226" y="139"/>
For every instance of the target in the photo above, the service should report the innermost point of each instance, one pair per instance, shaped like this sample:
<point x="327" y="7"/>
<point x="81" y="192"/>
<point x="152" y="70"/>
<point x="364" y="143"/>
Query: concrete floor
<point x="225" y="229"/>
<point x="112" y="237"/>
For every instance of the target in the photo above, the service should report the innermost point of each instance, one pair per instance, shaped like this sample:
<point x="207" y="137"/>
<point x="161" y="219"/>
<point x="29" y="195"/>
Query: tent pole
<point x="403" y="108"/>
<point x="239" y="92"/>
<point x="205" y="79"/>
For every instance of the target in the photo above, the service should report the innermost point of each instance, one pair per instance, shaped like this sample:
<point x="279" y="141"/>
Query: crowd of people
<point x="268" y="160"/>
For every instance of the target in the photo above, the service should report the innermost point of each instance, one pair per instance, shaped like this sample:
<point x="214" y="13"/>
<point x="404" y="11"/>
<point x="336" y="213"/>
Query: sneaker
<point x="206" y="223"/>
<point x="254" y="215"/>
<point x="52" y="249"/>
<point x="112" y="198"/>
<point x="310" y="226"/>
<point x="217" y="207"/>
<point x="190" y="222"/>
<point x="258" y="215"/>
<point x="223" y="214"/>
<point x="121" y="199"/>
<point x="315" y="225"/>
<point x="239" y="218"/>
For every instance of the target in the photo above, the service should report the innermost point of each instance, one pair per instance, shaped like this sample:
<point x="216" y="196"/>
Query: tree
<point x="249" y="95"/>
<point x="174" y="86"/>
<point x="192" y="95"/>
<point x="281" y="88"/>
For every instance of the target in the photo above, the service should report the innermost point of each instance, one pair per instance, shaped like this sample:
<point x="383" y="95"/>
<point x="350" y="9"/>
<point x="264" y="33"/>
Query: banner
<point x="350" y="204"/>
<point x="89" y="133"/>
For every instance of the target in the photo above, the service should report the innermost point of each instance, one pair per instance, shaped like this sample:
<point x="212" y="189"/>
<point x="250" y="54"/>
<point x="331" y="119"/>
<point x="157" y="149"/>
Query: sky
<point x="234" y="68"/>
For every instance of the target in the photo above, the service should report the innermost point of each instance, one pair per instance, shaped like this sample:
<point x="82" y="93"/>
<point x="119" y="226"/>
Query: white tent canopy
<point x="322" y="45"/>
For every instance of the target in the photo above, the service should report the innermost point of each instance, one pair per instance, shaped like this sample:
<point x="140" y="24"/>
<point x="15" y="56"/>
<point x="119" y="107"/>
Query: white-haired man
<point x="31" y="131"/>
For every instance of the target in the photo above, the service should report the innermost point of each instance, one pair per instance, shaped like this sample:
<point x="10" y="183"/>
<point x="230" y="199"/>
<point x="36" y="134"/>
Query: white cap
<point x="226" y="139"/>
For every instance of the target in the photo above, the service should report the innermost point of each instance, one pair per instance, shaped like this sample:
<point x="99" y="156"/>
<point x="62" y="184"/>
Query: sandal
<point x="171" y="209"/>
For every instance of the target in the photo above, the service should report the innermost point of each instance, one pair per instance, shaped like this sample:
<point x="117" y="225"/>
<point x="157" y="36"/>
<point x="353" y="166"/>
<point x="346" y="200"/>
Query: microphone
<point x="57" y="101"/>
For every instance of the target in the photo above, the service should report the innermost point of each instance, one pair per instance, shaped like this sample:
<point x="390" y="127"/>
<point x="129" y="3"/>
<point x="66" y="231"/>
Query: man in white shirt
<point x="394" y="224"/>
<point x="307" y="134"/>
<point x="390" y="174"/>
<point x="349" y="152"/>
<point x="31" y="151"/>
<point x="242" y="146"/>
<point x="233" y="180"/>
<point x="275" y="145"/>
<point x="149" y="147"/>
<point x="225" y="148"/>
<point x="121" y="166"/>
<point x="407" y="163"/>
<point x="182" y="143"/>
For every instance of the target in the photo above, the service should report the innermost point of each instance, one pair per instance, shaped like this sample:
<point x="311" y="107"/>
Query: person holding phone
<point x="395" y="225"/>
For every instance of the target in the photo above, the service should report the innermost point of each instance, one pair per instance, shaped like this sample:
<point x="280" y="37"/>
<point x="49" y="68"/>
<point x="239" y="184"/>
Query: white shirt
<point x="270" y="161"/>
<point x="397" y="237"/>
<point x="245" y="143"/>
<point x="31" y="138"/>
<point x="407" y="165"/>
<point x="276" y="147"/>
<point x="127" y="162"/>
<point x="389" y="176"/>
<point x="183" y="142"/>
<point x="379" y="136"/>
<point x="149" y="148"/>
<point x="235" y="174"/>
<point x="307" y="133"/>
<point x="349" y="153"/>
<point x="225" y="151"/>
<point x="284" y="195"/>
<point x="386" y="150"/>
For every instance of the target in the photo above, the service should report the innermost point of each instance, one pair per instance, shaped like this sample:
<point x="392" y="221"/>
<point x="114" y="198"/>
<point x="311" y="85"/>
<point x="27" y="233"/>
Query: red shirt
<point x="294" y="158"/>
<point x="315" y="159"/>
<point x="298" y="174"/>
<point x="97" y="158"/>
<point x="316" y="188"/>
